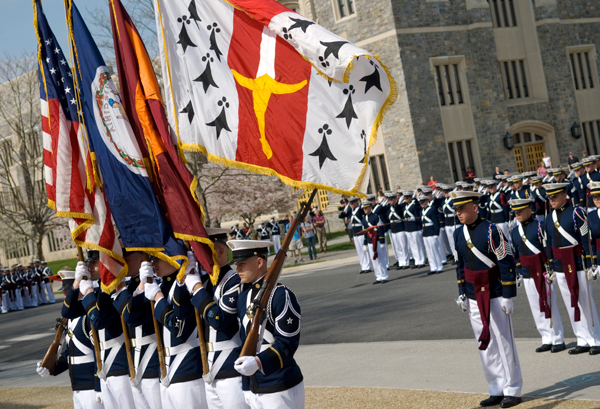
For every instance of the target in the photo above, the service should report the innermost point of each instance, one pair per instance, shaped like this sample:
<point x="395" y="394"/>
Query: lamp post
<point x="508" y="141"/>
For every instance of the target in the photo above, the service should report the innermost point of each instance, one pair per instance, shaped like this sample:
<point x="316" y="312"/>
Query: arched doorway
<point x="531" y="140"/>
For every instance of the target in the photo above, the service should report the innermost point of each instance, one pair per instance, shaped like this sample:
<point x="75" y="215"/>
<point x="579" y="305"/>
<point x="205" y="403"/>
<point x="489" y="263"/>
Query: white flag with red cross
<point x="254" y="85"/>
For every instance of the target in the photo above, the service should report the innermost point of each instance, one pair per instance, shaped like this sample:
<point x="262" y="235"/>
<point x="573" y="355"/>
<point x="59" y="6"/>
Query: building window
<point x="379" y="174"/>
<point x="503" y="13"/>
<point x="60" y="241"/>
<point x="6" y="153"/>
<point x="18" y="249"/>
<point x="529" y="150"/>
<point x="581" y="67"/>
<point x="449" y="84"/>
<point x="591" y="136"/>
<point x="461" y="156"/>
<point x="514" y="77"/>
<point x="343" y="8"/>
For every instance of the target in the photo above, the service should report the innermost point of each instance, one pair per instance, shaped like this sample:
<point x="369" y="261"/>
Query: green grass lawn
<point x="57" y="265"/>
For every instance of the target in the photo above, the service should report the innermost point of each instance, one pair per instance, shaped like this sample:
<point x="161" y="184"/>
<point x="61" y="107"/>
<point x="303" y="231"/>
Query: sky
<point x="16" y="23"/>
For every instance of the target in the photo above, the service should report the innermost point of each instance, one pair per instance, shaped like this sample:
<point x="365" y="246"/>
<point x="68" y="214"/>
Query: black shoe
<point x="594" y="350"/>
<point x="421" y="266"/>
<point x="399" y="268"/>
<point x="430" y="273"/>
<point x="558" y="348"/>
<point x="491" y="401"/>
<point x="383" y="281"/>
<point x="376" y="282"/>
<point x="510" y="401"/>
<point x="579" y="350"/>
<point x="544" y="348"/>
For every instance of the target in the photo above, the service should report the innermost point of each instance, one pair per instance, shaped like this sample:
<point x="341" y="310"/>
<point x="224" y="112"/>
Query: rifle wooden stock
<point x="49" y="361"/>
<point x="251" y="343"/>
<point x="127" y="342"/>
<point x="203" y="351"/>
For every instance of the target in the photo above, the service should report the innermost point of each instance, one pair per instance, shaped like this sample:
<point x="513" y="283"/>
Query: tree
<point x="24" y="210"/>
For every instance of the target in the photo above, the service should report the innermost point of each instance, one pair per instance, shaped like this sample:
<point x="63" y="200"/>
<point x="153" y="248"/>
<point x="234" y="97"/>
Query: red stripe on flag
<point x="284" y="137"/>
<point x="261" y="10"/>
<point x="77" y="197"/>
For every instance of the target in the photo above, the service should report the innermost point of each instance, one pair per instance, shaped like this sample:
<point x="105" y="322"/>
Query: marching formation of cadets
<point x="272" y="379"/>
<point x="25" y="286"/>
<point x="540" y="233"/>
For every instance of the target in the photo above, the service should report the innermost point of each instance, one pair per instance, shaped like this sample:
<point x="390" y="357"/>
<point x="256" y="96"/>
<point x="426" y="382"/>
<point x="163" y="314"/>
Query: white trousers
<point x="449" y="230"/>
<point x="86" y="400"/>
<point x="432" y="247"/>
<point x="550" y="336"/>
<point x="186" y="395"/>
<point x="34" y="295"/>
<point x="363" y="257"/>
<point x="117" y="393"/>
<point x="387" y="257"/>
<point x="415" y="243"/>
<point x="147" y="394"/>
<point x="5" y="303"/>
<point x="444" y="245"/>
<point x="379" y="265"/>
<point x="292" y="398"/>
<point x="19" y="299"/>
<point x="276" y="239"/>
<point x="40" y="293"/>
<point x="26" y="297"/>
<point x="501" y="366"/>
<point x="225" y="394"/>
<point x="44" y="293"/>
<point x="400" y="245"/>
<point x="586" y="333"/>
<point x="51" y="298"/>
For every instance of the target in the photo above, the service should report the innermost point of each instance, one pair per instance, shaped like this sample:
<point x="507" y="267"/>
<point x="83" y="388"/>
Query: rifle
<point x="49" y="361"/>
<point x="257" y="307"/>
<point x="127" y="342"/>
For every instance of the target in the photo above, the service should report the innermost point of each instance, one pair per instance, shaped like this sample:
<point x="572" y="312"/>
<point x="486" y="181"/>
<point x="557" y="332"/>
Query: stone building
<point x="476" y="77"/>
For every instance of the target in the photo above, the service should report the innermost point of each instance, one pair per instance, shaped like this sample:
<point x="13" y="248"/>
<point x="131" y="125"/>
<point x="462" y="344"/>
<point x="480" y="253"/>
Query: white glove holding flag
<point x="246" y="365"/>
<point x="82" y="271"/>
<point x="191" y="280"/>
<point x="191" y="267"/>
<point x="507" y="305"/>
<point x="43" y="372"/>
<point x="85" y="286"/>
<point x="147" y="277"/>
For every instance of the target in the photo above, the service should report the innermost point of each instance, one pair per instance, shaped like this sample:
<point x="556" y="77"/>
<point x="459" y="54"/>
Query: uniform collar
<point x="526" y="222"/>
<point x="475" y="223"/>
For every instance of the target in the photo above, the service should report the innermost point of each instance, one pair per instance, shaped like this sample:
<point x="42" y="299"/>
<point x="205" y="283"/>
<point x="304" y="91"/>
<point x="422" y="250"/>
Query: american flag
<point x="70" y="184"/>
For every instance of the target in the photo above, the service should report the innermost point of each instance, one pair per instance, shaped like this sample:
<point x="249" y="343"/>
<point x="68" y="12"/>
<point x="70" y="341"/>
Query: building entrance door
<point x="529" y="150"/>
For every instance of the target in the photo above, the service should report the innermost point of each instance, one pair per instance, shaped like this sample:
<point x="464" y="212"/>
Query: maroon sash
<point x="372" y="235"/>
<point x="568" y="257"/>
<point x="535" y="264"/>
<point x="481" y="282"/>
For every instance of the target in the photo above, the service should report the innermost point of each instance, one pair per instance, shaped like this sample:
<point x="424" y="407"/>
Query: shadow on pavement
<point x="564" y="389"/>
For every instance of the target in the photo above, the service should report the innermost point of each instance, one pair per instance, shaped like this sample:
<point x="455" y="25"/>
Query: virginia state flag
<point x="138" y="215"/>
<point x="144" y="107"/>
<point x="254" y="85"/>
<point x="88" y="213"/>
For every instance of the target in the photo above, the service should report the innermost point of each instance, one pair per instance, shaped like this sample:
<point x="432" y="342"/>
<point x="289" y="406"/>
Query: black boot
<point x="491" y="401"/>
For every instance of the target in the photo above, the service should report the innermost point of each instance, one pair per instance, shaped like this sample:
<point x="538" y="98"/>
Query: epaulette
<point x="270" y="303"/>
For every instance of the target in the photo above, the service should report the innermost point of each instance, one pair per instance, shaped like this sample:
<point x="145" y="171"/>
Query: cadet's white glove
<point x="246" y="365"/>
<point x="520" y="280"/>
<point x="191" y="267"/>
<point x="85" y="286"/>
<point x="81" y="271"/>
<point x="191" y="280"/>
<point x="99" y="398"/>
<point x="365" y="248"/>
<point x="507" y="305"/>
<point x="146" y="272"/>
<point x="43" y="372"/>
<point x="462" y="302"/>
<point x="596" y="273"/>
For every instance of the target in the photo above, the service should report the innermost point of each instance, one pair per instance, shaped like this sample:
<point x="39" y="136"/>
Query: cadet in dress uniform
<point x="272" y="379"/>
<point x="498" y="210"/>
<point x="487" y="282"/>
<point x="183" y="386"/>
<point x="4" y="305"/>
<point x="450" y="220"/>
<point x="46" y="273"/>
<point x="578" y="179"/>
<point x="218" y="306"/>
<point x="355" y="214"/>
<point x="531" y="258"/>
<point x="273" y="226"/>
<point x="566" y="228"/>
<point x="135" y="309"/>
<point x="78" y="355"/>
<point x="431" y="231"/>
<point x="17" y="280"/>
<point x="263" y="234"/>
<point x="414" y="228"/>
<point x="397" y="233"/>
<point x="114" y="376"/>
<point x="594" y="221"/>
<point x="380" y="208"/>
<point x="519" y="191"/>
<point x="538" y="194"/>
<point x="375" y="243"/>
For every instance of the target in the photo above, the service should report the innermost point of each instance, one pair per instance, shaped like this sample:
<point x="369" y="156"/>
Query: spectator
<point x="470" y="175"/>
<point x="343" y="203"/>
<point x="380" y="195"/>
<point x="506" y="172"/>
<point x="584" y="154"/>
<point x="497" y="172"/>
<point x="547" y="161"/>
<point x="245" y="230"/>
<point x="251" y="234"/>
<point x="309" y="234"/>
<point x="572" y="159"/>
<point x="542" y="171"/>
<point x="319" y="223"/>
<point x="432" y="182"/>
<point x="296" y="244"/>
